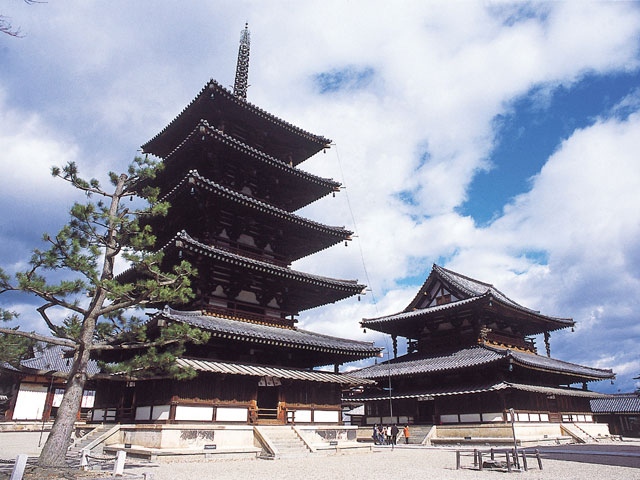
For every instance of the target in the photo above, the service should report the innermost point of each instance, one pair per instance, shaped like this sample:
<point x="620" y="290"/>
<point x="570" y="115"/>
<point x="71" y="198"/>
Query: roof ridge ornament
<point x="242" y="68"/>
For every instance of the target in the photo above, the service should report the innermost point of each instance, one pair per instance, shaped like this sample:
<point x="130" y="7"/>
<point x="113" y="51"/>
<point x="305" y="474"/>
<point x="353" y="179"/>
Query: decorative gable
<point x="435" y="291"/>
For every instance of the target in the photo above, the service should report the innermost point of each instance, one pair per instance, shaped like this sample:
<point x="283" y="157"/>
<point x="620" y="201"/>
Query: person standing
<point x="405" y="432"/>
<point x="394" y="434"/>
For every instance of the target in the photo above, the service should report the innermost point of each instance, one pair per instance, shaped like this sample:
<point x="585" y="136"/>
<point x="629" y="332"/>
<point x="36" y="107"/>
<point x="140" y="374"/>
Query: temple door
<point x="268" y="399"/>
<point x="552" y="406"/>
<point x="426" y="411"/>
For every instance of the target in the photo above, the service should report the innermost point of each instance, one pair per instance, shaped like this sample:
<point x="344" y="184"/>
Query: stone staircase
<point x="417" y="434"/>
<point x="283" y="442"/>
<point x="73" y="453"/>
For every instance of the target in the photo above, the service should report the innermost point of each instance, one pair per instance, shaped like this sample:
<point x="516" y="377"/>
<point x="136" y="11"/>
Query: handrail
<point x="267" y="413"/>
<point x="269" y="446"/>
<point x="97" y="441"/>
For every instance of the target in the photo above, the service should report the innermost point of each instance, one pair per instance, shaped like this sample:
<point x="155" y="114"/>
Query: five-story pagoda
<point x="231" y="176"/>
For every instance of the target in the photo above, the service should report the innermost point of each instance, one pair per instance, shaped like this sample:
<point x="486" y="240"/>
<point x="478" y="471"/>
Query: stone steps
<point x="73" y="453"/>
<point x="285" y="441"/>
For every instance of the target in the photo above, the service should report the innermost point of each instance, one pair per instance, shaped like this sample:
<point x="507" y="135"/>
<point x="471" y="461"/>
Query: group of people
<point x="388" y="434"/>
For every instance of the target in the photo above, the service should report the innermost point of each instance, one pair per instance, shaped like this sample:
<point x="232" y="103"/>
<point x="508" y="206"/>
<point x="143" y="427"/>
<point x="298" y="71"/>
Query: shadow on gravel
<point x="617" y="454"/>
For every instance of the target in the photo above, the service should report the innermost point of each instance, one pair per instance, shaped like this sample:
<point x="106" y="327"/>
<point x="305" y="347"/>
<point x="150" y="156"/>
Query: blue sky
<point x="497" y="139"/>
<point x="533" y="128"/>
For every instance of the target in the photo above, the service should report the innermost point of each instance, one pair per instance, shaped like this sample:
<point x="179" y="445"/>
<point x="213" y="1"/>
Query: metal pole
<point x="390" y="397"/>
<point x="49" y="392"/>
<point x="515" y="441"/>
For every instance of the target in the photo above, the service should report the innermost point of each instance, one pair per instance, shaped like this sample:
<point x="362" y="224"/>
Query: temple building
<point x="33" y="389"/>
<point x="231" y="176"/>
<point x="471" y="359"/>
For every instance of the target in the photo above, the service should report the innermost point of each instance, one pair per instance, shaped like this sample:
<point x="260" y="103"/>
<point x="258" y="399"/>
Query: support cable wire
<point x="364" y="267"/>
<point x="355" y="227"/>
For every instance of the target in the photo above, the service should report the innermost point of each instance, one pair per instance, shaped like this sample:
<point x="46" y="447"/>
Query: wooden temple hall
<point x="231" y="173"/>
<point x="471" y="359"/>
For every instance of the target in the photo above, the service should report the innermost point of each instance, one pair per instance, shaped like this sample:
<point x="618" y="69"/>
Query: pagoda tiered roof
<point x="229" y="368"/>
<point x="299" y="236"/>
<point x="296" y="188"/>
<point x="478" y="356"/>
<point x="281" y="337"/>
<point x="218" y="106"/>
<point x="305" y="290"/>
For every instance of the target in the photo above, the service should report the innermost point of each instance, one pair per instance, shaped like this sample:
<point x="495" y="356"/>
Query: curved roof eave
<point x="345" y="285"/>
<point x="552" y="365"/>
<point x="560" y="322"/>
<point x="214" y="86"/>
<point x="340" y="232"/>
<point x="482" y="355"/>
<point x="203" y="127"/>
<point x="430" y="394"/>
<point x="228" y="368"/>
<point x="263" y="333"/>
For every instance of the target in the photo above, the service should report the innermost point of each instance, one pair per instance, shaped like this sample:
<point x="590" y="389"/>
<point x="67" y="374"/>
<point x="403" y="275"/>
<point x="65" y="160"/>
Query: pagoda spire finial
<point x="242" y="68"/>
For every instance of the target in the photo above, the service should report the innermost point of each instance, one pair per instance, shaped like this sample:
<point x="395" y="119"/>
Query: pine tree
<point x="76" y="273"/>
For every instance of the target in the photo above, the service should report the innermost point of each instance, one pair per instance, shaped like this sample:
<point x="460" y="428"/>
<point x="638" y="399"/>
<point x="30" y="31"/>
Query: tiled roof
<point x="471" y="357"/>
<point x="619" y="403"/>
<point x="203" y="128"/>
<point x="551" y="364"/>
<point x="193" y="177"/>
<point x="51" y="358"/>
<point x="570" y="392"/>
<point x="418" y="312"/>
<point x="213" y="89"/>
<point x="229" y="368"/>
<point x="268" y="334"/>
<point x="427" y="393"/>
<point x="473" y="389"/>
<point x="334" y="283"/>
<point x="475" y="290"/>
<point x="474" y="357"/>
<point x="8" y="366"/>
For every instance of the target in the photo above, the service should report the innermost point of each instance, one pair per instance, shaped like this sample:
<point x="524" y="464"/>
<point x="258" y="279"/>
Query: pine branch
<point x="59" y="331"/>
<point x="41" y="338"/>
<point x="136" y="346"/>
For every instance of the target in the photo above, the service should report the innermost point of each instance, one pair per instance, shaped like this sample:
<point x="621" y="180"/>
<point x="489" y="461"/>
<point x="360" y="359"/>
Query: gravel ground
<point x="404" y="463"/>
<point x="407" y="463"/>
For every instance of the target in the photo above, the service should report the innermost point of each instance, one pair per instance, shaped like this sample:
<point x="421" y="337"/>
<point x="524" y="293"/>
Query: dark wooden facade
<point x="471" y="358"/>
<point x="33" y="389"/>
<point x="620" y="411"/>
<point x="231" y="175"/>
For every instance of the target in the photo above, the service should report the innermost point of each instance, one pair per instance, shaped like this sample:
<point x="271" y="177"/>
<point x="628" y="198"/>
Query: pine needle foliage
<point x="75" y="273"/>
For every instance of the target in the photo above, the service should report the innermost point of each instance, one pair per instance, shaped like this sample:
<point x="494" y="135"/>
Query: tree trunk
<point x="55" y="449"/>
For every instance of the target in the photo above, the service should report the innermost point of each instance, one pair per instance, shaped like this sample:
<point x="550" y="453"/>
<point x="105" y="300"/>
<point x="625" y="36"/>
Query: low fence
<point x="514" y="459"/>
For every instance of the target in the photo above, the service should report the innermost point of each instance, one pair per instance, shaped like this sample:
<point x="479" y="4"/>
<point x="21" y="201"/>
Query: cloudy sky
<point x="498" y="140"/>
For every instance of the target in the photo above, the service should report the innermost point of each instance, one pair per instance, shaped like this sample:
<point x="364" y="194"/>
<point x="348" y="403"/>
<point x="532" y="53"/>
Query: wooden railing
<point x="267" y="413"/>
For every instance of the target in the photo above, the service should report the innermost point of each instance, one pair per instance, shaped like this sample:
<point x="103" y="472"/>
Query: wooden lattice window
<point x="442" y="299"/>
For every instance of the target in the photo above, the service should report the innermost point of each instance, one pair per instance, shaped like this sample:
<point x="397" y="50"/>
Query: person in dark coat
<point x="394" y="434"/>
